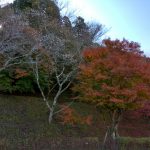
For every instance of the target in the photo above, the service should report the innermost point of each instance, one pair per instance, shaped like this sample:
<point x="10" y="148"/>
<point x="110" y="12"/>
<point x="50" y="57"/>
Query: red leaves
<point x="70" y="116"/>
<point x="114" y="74"/>
<point x="123" y="46"/>
<point x="89" y="55"/>
<point x="67" y="116"/>
<point x="20" y="73"/>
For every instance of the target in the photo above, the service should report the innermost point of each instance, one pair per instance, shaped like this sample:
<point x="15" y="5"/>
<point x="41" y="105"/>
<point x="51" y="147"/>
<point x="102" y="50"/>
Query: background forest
<point x="62" y="87"/>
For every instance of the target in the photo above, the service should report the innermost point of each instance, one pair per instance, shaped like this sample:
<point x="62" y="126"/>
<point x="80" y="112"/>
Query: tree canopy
<point x="113" y="77"/>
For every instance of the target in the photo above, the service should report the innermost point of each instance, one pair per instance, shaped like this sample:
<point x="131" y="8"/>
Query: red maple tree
<point x="115" y="77"/>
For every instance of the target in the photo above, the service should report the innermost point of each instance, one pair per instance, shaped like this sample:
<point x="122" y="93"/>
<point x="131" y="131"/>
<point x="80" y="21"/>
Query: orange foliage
<point x="20" y="73"/>
<point x="88" y="120"/>
<point x="116" y="75"/>
<point x="70" y="116"/>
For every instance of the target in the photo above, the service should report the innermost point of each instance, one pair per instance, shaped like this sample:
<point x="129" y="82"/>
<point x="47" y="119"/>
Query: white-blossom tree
<point x="17" y="40"/>
<point x="61" y="62"/>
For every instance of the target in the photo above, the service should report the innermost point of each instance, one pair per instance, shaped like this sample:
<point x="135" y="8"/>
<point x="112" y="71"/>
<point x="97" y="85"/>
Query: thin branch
<point x="61" y="72"/>
<point x="66" y="87"/>
<point x="51" y="90"/>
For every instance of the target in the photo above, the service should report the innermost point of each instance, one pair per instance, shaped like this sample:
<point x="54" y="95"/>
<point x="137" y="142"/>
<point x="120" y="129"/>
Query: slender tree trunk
<point x="114" y="125"/>
<point x="50" y="118"/>
<point x="114" y="131"/>
<point x="105" y="139"/>
<point x="111" y="135"/>
<point x="51" y="113"/>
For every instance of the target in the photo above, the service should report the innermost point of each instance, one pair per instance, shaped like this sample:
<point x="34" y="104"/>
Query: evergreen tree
<point x="48" y="6"/>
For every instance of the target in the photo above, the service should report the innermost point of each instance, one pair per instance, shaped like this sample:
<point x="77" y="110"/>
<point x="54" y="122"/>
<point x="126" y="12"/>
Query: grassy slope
<point x="24" y="120"/>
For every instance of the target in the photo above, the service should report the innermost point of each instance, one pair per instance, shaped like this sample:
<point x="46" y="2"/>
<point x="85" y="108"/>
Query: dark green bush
<point x="26" y="84"/>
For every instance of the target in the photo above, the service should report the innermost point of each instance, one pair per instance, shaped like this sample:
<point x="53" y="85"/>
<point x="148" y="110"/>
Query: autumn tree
<point x="59" y="57"/>
<point x="114" y="78"/>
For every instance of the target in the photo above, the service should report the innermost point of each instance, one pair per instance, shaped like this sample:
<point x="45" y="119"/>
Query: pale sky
<point x="128" y="19"/>
<point x="5" y="1"/>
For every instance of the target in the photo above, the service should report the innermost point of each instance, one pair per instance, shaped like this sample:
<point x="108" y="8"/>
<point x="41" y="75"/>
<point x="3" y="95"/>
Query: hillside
<point x="23" y="124"/>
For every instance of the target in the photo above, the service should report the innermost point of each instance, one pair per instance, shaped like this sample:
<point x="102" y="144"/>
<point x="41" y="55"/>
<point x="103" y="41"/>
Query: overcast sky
<point x="128" y="19"/>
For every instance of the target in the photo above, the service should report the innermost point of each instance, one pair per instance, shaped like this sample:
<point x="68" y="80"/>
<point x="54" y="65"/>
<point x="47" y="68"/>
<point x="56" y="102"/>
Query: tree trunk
<point x="114" y="125"/>
<point x="50" y="118"/>
<point x="111" y="136"/>
<point x="105" y="138"/>
<point x="114" y="131"/>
